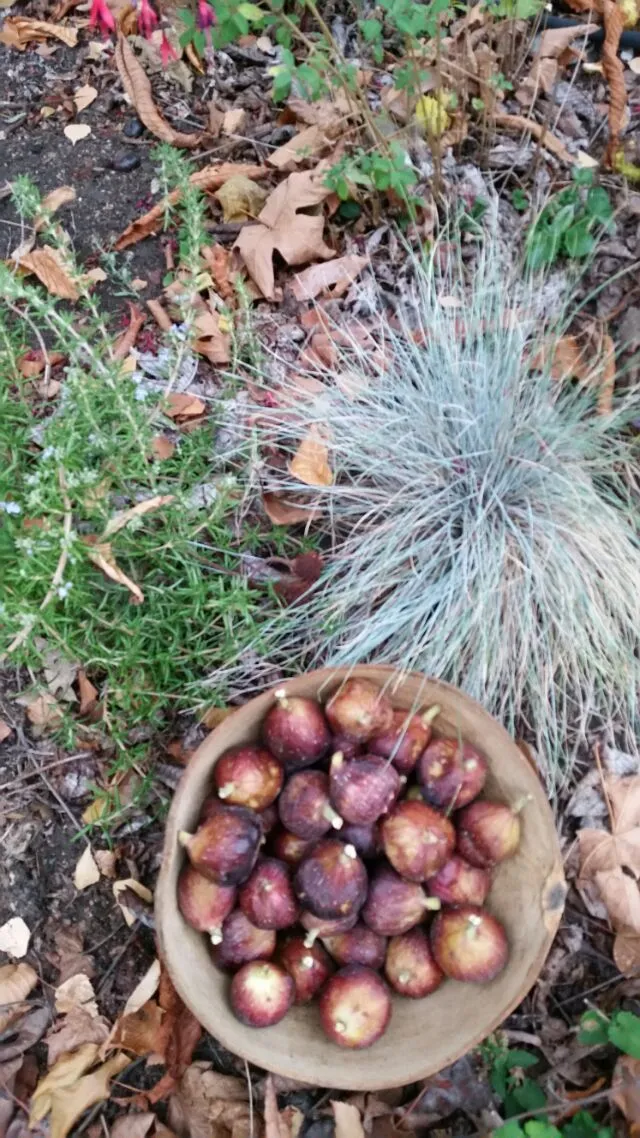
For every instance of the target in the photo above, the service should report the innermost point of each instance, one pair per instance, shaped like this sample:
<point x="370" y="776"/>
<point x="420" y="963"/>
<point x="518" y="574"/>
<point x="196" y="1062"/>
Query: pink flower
<point x="100" y="16"/>
<point x="147" y="18"/>
<point x="167" y="52"/>
<point x="206" y="16"/>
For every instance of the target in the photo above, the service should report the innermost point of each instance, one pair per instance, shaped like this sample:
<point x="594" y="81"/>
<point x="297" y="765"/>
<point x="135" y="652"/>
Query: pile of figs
<point x="344" y="857"/>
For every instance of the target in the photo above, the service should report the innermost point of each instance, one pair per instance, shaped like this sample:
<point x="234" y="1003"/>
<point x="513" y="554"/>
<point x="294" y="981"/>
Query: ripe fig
<point x="410" y="967"/>
<point x="308" y="966"/>
<point x="469" y="944"/>
<point x="242" y="941"/>
<point x="261" y="993"/>
<point x="394" y="905"/>
<point x="324" y="926"/>
<point x="295" y="731"/>
<point x="365" y="839"/>
<point x="358" y="946"/>
<point x="248" y="776"/>
<point x="225" y="847"/>
<point x="289" y="847"/>
<point x="451" y="773"/>
<point x="355" y="1007"/>
<point x="304" y="805"/>
<point x="417" y="840"/>
<point x="488" y="832"/>
<point x="363" y="789"/>
<point x="269" y="818"/>
<point x="331" y="880"/>
<point x="204" y="904"/>
<point x="210" y="806"/>
<point x="267" y="898"/>
<point x="405" y="740"/>
<point x="347" y="746"/>
<point x="460" y="883"/>
<point x="359" y="710"/>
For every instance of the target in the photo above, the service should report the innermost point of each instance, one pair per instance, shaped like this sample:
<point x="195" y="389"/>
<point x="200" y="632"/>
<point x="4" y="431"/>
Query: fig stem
<point x="226" y="790"/>
<point x="340" y="1027"/>
<point x="332" y="816"/>
<point x="311" y="938"/>
<point x="520" y="804"/>
<point x="184" y="837"/>
<point x="430" y="714"/>
<point x="351" y="851"/>
<point x="432" y="903"/>
<point x="337" y="760"/>
<point x="281" y="697"/>
<point x="215" y="936"/>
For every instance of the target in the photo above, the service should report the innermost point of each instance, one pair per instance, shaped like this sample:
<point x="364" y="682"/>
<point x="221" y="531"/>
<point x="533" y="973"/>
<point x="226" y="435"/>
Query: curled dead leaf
<point x="282" y="512"/>
<point x="70" y="1088"/>
<point x="86" y="872"/>
<point x="121" y="891"/>
<point x="101" y="554"/>
<point x="310" y="463"/>
<point x="52" y="202"/>
<point x="138" y="88"/>
<point x="46" y="264"/>
<point x="16" y="982"/>
<point x="73" y="1031"/>
<point x="240" y="198"/>
<point x="123" y="517"/>
<point x="19" y="31"/>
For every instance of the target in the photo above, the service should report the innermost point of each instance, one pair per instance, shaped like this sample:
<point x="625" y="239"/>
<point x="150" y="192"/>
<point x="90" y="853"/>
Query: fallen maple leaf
<point x="19" y="31"/>
<point x="86" y="872"/>
<point x="46" y="264"/>
<point x="67" y="1090"/>
<point x="102" y="556"/>
<point x="310" y="462"/>
<point x="296" y="236"/>
<point x="138" y="88"/>
<point x="335" y="276"/>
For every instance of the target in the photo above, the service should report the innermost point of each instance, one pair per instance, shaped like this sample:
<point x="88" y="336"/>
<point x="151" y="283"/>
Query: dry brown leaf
<point x="335" y="276"/>
<point x="207" y="1103"/>
<point x="217" y="260"/>
<point x="207" y="180"/>
<point x="76" y="993"/>
<point x="138" y="88"/>
<point x="73" y="1031"/>
<point x="310" y="463"/>
<point x="132" y="1125"/>
<point x="348" y="1120"/>
<point x="67" y="1091"/>
<point x="84" y="96"/>
<point x="296" y="236"/>
<point x="162" y="447"/>
<point x="33" y="363"/>
<point x="88" y="693"/>
<point x="309" y="143"/>
<point x="106" y="862"/>
<point x="612" y="861"/>
<point x="240" y="198"/>
<point x="86" y="872"/>
<point x="144" y="990"/>
<point x="284" y="513"/>
<point x="625" y="1089"/>
<point x="211" y="341"/>
<point x="5" y="730"/>
<point x="234" y="120"/>
<point x="101" y="554"/>
<point x="594" y="364"/>
<point x="126" y="341"/>
<point x="46" y="264"/>
<point x="613" y="70"/>
<point x="77" y="131"/>
<point x="123" y="517"/>
<point x="130" y="884"/>
<point x="182" y="1033"/>
<point x="43" y="711"/>
<point x="141" y="1032"/>
<point x="52" y="202"/>
<point x="19" y="31"/>
<point x="273" y="1126"/>
<point x="544" y="136"/>
<point x="214" y="716"/>
<point x="16" y="982"/>
<point x="181" y="405"/>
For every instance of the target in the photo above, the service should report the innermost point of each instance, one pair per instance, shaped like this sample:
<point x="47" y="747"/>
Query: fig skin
<point x="267" y="898"/>
<point x="417" y="840"/>
<point x="321" y="926"/>
<point x="242" y="942"/>
<point x="363" y="789"/>
<point x="289" y="847"/>
<point x="358" y="946"/>
<point x="460" y="883"/>
<point x="451" y="774"/>
<point x="469" y="944"/>
<point x="248" y="776"/>
<point x="355" y="1007"/>
<point x="304" y="806"/>
<point x="365" y="839"/>
<point x="269" y="818"/>
<point x="405" y="739"/>
<point x="358" y="710"/>
<point x="410" y="967"/>
<point x="295" y="731"/>
<point x="225" y="847"/>
<point x="261" y="993"/>
<point x="394" y="905"/>
<point x="488" y="832"/>
<point x="210" y="806"/>
<point x="331" y="880"/>
<point x="204" y="904"/>
<point x="308" y="966"/>
<point x="347" y="746"/>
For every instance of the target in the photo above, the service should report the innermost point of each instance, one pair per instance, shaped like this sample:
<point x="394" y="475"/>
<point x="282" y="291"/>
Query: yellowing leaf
<point x="240" y="198"/>
<point x="84" y="97"/>
<point x="86" y="872"/>
<point x="66" y="1092"/>
<point x="432" y="116"/>
<point x="46" y="264"/>
<point x="76" y="131"/>
<point x="310" y="462"/>
<point x="94" y="811"/>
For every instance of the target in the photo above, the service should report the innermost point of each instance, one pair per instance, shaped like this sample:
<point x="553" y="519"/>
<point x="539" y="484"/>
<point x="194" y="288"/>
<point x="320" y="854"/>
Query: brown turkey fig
<point x="331" y="880"/>
<point x="417" y="840"/>
<point x="267" y="898"/>
<point x="204" y="904"/>
<point x="324" y="926"/>
<point x="225" y="847"/>
<point x="355" y="1007"/>
<point x="460" y="883"/>
<point x="358" y="946"/>
<point x="451" y="773"/>
<point x="469" y="944"/>
<point x="410" y="967"/>
<point x="347" y="746"/>
<point x="295" y="731"/>
<point x="394" y="905"/>
<point x="405" y="740"/>
<point x="304" y="806"/>
<point x="363" y="789"/>
<point x="489" y="832"/>
<point x="289" y="847"/>
<point x="261" y="993"/>
<point x="358" y="710"/>
<point x="365" y="839"/>
<point x="308" y="966"/>
<point x="242" y="941"/>
<point x="248" y="776"/>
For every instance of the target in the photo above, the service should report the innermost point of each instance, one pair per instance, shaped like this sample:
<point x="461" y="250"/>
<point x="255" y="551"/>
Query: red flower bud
<point x="206" y="16"/>
<point x="100" y="16"/>
<point x="167" y="52"/>
<point x="147" y="18"/>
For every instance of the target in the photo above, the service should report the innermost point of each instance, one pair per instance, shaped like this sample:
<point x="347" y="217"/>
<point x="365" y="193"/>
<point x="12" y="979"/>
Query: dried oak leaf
<point x="208" y="179"/>
<point x="46" y="264"/>
<point x="71" y="1087"/>
<point x="283" y="228"/>
<point x="138" y="88"/>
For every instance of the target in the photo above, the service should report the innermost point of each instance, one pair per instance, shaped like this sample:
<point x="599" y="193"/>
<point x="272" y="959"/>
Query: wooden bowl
<point x="424" y="1035"/>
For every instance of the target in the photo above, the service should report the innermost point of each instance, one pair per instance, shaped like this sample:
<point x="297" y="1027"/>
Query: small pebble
<point x="133" y="128"/>
<point x="125" y="162"/>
